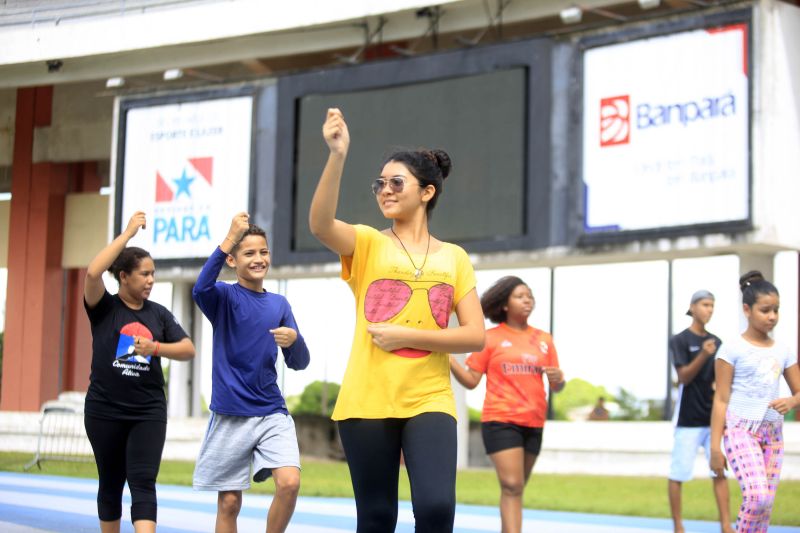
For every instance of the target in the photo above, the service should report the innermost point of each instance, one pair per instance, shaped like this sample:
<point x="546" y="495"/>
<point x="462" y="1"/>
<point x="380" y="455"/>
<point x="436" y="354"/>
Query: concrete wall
<point x="140" y="41"/>
<point x="85" y="228"/>
<point x="600" y="448"/>
<point x="137" y="29"/>
<point x="81" y="128"/>
<point x="631" y="448"/>
<point x="318" y="437"/>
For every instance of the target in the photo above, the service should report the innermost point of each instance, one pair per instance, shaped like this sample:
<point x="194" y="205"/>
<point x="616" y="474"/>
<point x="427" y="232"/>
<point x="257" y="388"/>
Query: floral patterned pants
<point x="755" y="455"/>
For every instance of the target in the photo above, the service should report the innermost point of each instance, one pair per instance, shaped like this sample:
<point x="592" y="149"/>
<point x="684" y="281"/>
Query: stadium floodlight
<point x="649" y="4"/>
<point x="114" y="82"/>
<point x="173" y="74"/>
<point x="571" y="15"/>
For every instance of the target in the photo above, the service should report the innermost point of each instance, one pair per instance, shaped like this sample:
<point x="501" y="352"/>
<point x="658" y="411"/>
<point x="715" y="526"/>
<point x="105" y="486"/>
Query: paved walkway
<point x="35" y="504"/>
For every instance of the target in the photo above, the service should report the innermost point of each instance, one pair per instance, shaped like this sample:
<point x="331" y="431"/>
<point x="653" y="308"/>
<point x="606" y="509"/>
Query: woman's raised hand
<point x="138" y="220"/>
<point x="335" y="132"/>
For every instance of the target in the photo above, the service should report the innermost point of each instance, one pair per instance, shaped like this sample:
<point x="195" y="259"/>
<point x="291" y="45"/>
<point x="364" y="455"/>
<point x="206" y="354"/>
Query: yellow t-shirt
<point x="406" y="382"/>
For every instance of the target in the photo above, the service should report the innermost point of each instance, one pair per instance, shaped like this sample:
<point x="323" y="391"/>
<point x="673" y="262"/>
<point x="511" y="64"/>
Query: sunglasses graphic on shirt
<point x="386" y="298"/>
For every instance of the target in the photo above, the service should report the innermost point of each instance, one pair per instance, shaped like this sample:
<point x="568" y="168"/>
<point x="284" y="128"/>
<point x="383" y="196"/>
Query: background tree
<point x="318" y="398"/>
<point x="576" y="393"/>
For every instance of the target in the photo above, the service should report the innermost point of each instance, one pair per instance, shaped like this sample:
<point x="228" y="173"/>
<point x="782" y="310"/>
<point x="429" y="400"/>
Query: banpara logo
<point x="615" y="120"/>
<point x="616" y="114"/>
<point x="654" y="115"/>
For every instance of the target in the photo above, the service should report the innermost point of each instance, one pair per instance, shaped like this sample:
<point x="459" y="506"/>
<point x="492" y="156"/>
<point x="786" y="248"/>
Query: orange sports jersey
<point x="512" y="361"/>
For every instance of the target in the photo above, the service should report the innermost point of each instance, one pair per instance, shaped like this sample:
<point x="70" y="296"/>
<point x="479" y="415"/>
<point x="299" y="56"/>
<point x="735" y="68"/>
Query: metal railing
<point x="62" y="436"/>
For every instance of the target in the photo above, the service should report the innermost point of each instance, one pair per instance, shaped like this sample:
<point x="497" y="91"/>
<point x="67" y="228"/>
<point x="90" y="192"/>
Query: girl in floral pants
<point x="747" y="410"/>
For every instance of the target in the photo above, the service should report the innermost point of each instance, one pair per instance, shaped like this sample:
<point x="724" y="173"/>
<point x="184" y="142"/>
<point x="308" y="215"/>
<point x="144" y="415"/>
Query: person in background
<point x="516" y="359"/>
<point x="599" y="411"/>
<point x="747" y="412"/>
<point x="692" y="352"/>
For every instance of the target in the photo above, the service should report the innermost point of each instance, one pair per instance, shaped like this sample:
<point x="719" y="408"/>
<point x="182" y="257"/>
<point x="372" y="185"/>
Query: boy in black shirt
<point x="692" y="352"/>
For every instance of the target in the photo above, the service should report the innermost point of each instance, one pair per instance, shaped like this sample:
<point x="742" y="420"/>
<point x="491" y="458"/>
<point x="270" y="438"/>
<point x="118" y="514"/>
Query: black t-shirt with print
<point x="123" y="385"/>
<point x="697" y="397"/>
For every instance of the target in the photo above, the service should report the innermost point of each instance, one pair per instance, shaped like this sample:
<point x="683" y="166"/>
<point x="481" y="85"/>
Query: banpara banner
<point x="666" y="124"/>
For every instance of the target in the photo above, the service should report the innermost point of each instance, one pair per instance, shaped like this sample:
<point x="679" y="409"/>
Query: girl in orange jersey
<point x="515" y="360"/>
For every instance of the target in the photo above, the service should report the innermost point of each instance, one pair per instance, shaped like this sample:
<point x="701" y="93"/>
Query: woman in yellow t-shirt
<point x="395" y="395"/>
<point x="515" y="360"/>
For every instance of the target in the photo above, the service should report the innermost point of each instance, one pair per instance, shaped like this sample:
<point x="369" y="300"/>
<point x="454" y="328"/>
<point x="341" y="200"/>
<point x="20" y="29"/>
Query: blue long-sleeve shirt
<point x="244" y="377"/>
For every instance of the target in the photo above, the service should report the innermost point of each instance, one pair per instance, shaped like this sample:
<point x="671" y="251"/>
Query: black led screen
<point x="478" y="120"/>
<point x="488" y="107"/>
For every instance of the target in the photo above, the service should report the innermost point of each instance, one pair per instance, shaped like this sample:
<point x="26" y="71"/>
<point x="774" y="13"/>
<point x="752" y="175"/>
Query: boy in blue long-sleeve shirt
<point x="249" y="421"/>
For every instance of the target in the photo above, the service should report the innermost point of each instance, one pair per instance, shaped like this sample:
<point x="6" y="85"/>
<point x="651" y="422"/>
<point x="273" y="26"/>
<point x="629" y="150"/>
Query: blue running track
<point x="32" y="503"/>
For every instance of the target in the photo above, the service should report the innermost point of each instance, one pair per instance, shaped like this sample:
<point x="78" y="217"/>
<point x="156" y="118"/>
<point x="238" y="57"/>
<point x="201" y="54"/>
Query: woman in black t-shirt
<point x="126" y="408"/>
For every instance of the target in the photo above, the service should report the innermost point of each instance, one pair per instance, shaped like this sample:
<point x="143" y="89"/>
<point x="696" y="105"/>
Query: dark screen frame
<point x="533" y="55"/>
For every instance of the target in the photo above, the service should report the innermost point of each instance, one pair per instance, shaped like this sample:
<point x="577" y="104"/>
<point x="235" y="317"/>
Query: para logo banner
<point x="666" y="128"/>
<point x="187" y="166"/>
<point x="183" y="202"/>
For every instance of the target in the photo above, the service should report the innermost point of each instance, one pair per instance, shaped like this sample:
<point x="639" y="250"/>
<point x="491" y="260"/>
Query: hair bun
<point x="443" y="160"/>
<point x="748" y="279"/>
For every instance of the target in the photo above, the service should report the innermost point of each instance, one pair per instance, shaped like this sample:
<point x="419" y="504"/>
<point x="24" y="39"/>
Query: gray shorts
<point x="233" y="443"/>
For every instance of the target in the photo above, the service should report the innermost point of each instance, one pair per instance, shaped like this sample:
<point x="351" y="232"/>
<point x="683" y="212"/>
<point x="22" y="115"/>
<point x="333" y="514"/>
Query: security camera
<point x="54" y="65"/>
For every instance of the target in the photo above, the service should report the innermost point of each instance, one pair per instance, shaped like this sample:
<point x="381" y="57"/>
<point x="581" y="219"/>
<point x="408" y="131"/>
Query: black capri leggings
<point x="428" y="443"/>
<point x="126" y="449"/>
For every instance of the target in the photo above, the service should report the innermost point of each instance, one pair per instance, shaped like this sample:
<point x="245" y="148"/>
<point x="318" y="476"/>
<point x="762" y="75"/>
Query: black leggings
<point x="428" y="443"/>
<point x="126" y="449"/>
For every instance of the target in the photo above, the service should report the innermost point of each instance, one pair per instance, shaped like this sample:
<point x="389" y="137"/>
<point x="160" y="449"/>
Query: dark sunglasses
<point x="395" y="183"/>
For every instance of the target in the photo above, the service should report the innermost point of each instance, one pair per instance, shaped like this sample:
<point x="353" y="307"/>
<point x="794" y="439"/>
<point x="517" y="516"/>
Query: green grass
<point x="634" y="496"/>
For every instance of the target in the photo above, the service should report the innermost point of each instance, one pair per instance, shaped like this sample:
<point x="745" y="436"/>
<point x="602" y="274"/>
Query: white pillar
<point x="181" y="377"/>
<point x="197" y="364"/>
<point x="462" y="413"/>
<point x="462" y="428"/>
<point x="280" y="363"/>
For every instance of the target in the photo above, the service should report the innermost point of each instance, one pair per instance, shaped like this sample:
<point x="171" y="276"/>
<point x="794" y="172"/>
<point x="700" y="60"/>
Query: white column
<point x="181" y="372"/>
<point x="462" y="427"/>
<point x="197" y="364"/>
<point x="280" y="363"/>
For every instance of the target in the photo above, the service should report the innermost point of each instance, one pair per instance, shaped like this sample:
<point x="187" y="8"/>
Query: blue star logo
<point x="183" y="185"/>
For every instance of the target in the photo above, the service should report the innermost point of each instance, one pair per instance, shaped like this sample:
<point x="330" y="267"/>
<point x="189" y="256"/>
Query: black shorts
<point x="499" y="436"/>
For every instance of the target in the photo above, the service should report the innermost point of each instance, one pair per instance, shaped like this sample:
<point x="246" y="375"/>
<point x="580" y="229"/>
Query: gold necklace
<point x="417" y="271"/>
